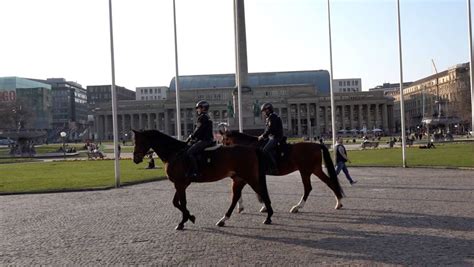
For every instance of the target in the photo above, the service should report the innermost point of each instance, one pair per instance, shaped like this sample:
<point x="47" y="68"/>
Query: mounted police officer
<point x="201" y="138"/>
<point x="273" y="132"/>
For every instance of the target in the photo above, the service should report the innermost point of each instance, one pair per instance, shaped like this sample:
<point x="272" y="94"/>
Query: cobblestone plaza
<point x="392" y="216"/>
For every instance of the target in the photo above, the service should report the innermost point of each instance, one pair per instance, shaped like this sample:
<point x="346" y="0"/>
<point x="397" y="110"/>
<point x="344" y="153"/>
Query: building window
<point x="340" y="83"/>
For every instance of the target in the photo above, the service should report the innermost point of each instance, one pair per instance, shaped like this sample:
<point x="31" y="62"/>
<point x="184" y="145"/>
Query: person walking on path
<point x="341" y="159"/>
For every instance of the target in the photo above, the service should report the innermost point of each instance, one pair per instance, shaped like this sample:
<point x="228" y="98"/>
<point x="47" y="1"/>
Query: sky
<point x="70" y="39"/>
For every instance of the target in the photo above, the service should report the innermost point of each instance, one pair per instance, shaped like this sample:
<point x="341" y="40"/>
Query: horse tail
<point x="262" y="178"/>
<point x="332" y="172"/>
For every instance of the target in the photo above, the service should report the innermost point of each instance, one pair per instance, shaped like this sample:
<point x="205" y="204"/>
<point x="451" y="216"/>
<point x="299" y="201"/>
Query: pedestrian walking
<point x="341" y="159"/>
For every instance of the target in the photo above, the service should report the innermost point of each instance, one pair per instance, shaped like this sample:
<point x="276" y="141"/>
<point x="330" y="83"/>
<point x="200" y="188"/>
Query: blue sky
<point x="58" y="38"/>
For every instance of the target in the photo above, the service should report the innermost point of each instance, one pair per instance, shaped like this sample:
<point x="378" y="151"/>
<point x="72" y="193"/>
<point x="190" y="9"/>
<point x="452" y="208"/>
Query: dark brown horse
<point x="304" y="156"/>
<point x="242" y="164"/>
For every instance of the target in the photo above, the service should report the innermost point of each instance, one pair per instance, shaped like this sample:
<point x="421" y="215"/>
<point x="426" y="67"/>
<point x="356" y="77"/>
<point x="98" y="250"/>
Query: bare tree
<point x="15" y="114"/>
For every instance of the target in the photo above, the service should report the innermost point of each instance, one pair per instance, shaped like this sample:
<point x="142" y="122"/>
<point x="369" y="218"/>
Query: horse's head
<point x="142" y="146"/>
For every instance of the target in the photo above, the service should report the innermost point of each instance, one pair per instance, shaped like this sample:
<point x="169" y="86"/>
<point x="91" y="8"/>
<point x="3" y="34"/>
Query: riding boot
<point x="193" y="171"/>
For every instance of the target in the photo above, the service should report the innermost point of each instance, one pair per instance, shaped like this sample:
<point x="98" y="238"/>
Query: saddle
<point x="206" y="157"/>
<point x="282" y="150"/>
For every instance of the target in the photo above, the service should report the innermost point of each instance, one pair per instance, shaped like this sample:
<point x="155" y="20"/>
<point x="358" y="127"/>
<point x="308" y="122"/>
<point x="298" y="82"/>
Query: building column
<point x="384" y="118"/>
<point x="316" y="119"/>
<point x="185" y="118"/>
<point x="290" y="129"/>
<point x="343" y="125"/>
<point x="377" y="120"/>
<point x="150" y="126"/>
<point x="360" y="116"/>
<point x="351" y="116"/>
<point x="167" y="124"/>
<point x="308" y="121"/>
<point x="99" y="127"/>
<point x="298" y="110"/>
<point x="131" y="122"/>
<point x="123" y="124"/>
<point x="368" y="117"/>
<point x="327" y="119"/>
<point x="140" y="121"/>
<point x="106" y="127"/>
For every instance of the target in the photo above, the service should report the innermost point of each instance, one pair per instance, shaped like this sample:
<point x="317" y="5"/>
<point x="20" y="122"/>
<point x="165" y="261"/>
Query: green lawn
<point x="444" y="155"/>
<point x="70" y="175"/>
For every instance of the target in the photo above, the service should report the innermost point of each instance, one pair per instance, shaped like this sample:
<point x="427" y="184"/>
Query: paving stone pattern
<point x="391" y="216"/>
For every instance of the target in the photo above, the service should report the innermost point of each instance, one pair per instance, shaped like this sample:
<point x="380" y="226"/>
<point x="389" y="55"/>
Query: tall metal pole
<point x="237" y="60"/>
<point x="114" y="102"/>
<point x="402" y="105"/>
<point x="471" y="69"/>
<point x="333" y="109"/>
<point x="176" y="80"/>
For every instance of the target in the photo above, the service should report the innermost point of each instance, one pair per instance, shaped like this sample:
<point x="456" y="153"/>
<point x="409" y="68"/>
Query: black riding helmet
<point x="203" y="105"/>
<point x="267" y="108"/>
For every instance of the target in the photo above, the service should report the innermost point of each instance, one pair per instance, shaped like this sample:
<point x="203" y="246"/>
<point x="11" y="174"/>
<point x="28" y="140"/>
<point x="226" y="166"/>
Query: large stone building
<point x="300" y="97"/>
<point x="445" y="95"/>
<point x="102" y="94"/>
<point x="151" y="93"/>
<point x="347" y="85"/>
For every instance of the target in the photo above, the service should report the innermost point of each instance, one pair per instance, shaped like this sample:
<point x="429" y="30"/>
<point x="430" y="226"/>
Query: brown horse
<point x="242" y="164"/>
<point x="304" y="157"/>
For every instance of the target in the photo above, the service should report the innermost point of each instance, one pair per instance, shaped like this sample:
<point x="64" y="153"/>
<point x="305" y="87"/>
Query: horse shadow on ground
<point x="418" y="245"/>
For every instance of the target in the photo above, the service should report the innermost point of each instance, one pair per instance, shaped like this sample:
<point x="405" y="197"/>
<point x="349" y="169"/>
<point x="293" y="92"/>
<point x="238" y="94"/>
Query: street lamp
<point x="63" y="136"/>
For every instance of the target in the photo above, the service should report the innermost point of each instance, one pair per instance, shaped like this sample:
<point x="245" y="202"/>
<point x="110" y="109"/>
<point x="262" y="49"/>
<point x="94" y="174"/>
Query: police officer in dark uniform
<point x="273" y="131"/>
<point x="201" y="138"/>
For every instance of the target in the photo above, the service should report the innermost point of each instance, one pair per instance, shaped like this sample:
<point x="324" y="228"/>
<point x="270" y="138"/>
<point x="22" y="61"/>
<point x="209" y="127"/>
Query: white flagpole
<point x="471" y="69"/>
<point x="176" y="80"/>
<point x="402" y="105"/>
<point x="237" y="62"/>
<point x="114" y="102"/>
<point x="333" y="109"/>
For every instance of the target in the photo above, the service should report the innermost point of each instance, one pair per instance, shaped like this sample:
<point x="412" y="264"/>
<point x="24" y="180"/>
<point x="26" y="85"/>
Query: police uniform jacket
<point x="273" y="127"/>
<point x="203" y="129"/>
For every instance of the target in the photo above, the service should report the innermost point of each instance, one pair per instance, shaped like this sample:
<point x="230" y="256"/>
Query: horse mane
<point x="165" y="146"/>
<point x="242" y="137"/>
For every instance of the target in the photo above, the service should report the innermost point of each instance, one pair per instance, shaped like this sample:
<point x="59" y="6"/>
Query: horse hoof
<point x="263" y="209"/>
<point x="180" y="227"/>
<point x="192" y="218"/>
<point x="338" y="207"/>
<point x="220" y="224"/>
<point x="294" y="209"/>
<point x="239" y="210"/>
<point x="267" y="221"/>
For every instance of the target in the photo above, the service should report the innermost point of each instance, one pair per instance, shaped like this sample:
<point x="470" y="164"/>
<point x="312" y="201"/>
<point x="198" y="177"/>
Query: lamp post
<point x="63" y="136"/>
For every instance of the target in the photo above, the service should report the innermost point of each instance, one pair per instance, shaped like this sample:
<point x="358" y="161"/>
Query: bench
<point x="95" y="155"/>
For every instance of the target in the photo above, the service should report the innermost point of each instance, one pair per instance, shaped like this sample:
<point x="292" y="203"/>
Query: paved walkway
<point x="392" y="216"/>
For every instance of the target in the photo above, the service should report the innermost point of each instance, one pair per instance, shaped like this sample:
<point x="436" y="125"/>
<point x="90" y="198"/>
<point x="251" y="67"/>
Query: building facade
<point x="347" y="85"/>
<point x="33" y="95"/>
<point x="151" y="93"/>
<point x="103" y="94"/>
<point x="446" y="94"/>
<point x="69" y="107"/>
<point x="300" y="98"/>
<point x="390" y="88"/>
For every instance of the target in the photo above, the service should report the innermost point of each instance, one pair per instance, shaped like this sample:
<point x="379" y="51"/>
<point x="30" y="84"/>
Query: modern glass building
<point x="69" y="107"/>
<point x="36" y="96"/>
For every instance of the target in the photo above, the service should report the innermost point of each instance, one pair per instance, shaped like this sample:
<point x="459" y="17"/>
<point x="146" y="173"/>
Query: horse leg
<point x="323" y="177"/>
<point x="263" y="193"/>
<point x="306" y="178"/>
<point x="240" y="205"/>
<point x="180" y="195"/>
<point x="237" y="186"/>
